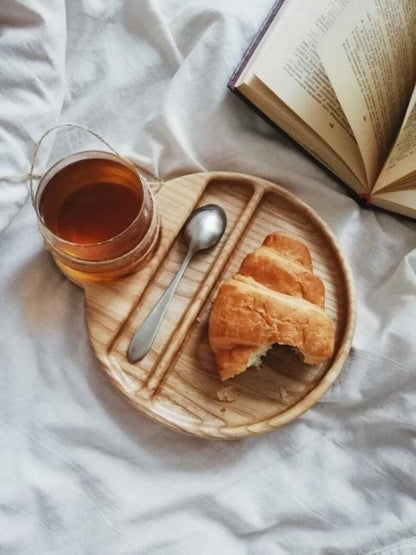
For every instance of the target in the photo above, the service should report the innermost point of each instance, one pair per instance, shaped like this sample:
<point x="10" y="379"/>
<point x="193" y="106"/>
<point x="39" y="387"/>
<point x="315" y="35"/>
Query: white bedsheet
<point x="80" y="470"/>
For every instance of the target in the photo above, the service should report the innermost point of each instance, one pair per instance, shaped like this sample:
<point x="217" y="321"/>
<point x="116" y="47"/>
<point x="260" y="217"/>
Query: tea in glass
<point x="97" y="216"/>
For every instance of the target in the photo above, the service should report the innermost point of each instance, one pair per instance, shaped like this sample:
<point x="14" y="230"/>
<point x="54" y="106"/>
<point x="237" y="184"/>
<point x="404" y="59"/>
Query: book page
<point x="374" y="42"/>
<point x="401" y="202"/>
<point x="271" y="106"/>
<point x="291" y="68"/>
<point x="402" y="159"/>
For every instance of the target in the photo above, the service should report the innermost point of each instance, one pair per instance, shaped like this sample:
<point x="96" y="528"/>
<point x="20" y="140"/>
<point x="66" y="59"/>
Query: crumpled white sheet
<point x="83" y="472"/>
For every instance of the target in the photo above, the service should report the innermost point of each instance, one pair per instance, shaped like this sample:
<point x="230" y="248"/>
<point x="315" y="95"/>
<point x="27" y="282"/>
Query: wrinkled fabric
<point x="83" y="472"/>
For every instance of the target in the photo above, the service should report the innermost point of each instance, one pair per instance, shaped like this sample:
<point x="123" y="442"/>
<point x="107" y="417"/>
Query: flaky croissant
<point x="274" y="298"/>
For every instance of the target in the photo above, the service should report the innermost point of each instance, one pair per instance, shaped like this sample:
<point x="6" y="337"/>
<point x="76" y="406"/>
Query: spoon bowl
<point x="202" y="230"/>
<point x="204" y="227"/>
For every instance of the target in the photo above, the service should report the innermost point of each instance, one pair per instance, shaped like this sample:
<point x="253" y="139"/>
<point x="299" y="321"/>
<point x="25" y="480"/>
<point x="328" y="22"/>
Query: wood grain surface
<point x="177" y="382"/>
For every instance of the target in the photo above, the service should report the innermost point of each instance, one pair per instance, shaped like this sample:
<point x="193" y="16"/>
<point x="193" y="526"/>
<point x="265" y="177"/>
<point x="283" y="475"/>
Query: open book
<point x="338" y="76"/>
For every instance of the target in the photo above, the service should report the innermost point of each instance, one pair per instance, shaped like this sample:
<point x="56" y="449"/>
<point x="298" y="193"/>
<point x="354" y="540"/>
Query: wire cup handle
<point x="54" y="128"/>
<point x="153" y="181"/>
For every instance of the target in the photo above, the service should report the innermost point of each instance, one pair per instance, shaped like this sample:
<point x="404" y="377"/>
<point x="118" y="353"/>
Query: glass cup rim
<point x="85" y="155"/>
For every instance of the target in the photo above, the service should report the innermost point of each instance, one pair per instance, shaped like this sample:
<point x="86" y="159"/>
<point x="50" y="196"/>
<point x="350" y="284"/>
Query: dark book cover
<point x="254" y="43"/>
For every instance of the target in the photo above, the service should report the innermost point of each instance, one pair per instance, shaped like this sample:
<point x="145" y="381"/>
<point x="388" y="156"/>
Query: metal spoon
<point x="203" y="229"/>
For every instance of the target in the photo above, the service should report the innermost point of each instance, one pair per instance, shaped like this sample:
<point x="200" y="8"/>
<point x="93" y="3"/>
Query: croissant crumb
<point x="227" y="394"/>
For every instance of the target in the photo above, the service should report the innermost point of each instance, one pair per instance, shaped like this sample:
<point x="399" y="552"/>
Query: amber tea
<point x="97" y="216"/>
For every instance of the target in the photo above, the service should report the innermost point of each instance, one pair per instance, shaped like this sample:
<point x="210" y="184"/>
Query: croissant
<point x="274" y="298"/>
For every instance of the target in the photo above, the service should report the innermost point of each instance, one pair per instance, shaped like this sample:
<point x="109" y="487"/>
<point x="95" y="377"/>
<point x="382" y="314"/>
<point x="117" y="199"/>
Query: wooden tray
<point x="177" y="382"/>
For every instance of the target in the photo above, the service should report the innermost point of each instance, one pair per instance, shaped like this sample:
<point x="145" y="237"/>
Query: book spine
<point x="254" y="43"/>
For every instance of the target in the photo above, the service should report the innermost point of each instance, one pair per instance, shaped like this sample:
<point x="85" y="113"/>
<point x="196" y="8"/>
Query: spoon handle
<point x="145" y="335"/>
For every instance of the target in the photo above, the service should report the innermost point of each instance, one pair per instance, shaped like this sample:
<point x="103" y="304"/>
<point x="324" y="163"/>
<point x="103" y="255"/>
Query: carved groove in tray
<point x="239" y="200"/>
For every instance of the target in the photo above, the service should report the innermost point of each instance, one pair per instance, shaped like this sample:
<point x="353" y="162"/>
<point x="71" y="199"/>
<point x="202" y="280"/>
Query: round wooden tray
<point x="177" y="382"/>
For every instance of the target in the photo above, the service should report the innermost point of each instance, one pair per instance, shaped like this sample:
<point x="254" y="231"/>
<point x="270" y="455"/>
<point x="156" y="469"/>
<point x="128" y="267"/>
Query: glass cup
<point x="97" y="216"/>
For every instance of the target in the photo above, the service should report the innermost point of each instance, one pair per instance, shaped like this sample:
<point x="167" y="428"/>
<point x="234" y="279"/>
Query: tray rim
<point x="322" y="386"/>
